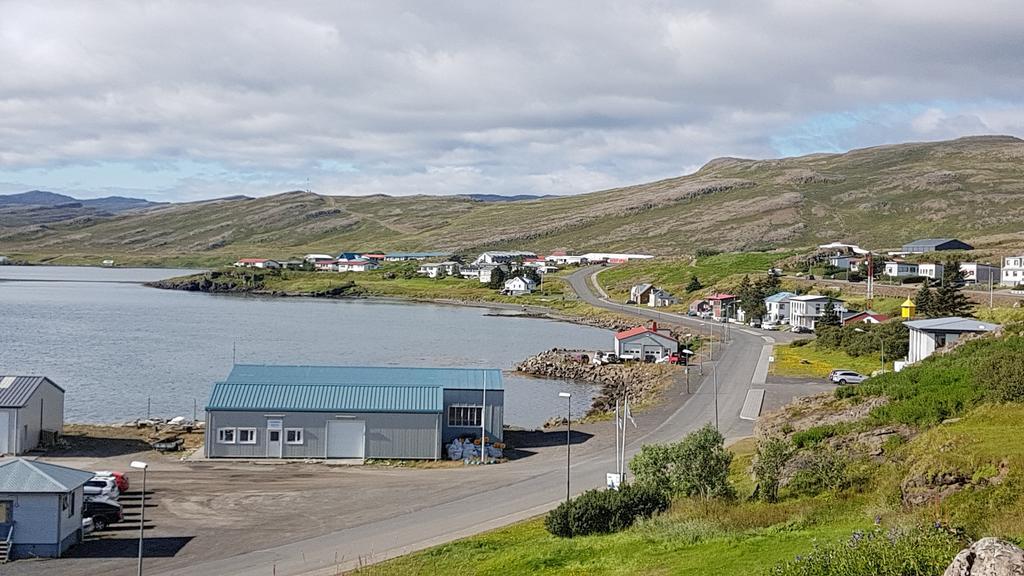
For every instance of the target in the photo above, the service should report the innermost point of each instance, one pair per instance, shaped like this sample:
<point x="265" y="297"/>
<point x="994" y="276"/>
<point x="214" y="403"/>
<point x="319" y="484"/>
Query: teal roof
<point x="345" y="388"/>
<point x="451" y="378"/>
<point x="326" y="398"/>
<point x="779" y="297"/>
<point x="18" y="475"/>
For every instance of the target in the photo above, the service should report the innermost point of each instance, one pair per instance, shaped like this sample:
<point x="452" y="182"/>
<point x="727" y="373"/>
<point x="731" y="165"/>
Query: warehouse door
<point x="346" y="439"/>
<point x="5" y="431"/>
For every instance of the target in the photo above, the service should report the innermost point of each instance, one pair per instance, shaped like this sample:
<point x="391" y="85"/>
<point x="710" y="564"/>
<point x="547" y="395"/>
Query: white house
<point x="982" y="274"/>
<point x="927" y="336"/>
<point x="1013" y="271"/>
<point x="503" y="256"/>
<point x="777" y="306"/>
<point x="659" y="298"/>
<point x="326" y="265"/>
<point x="4" y="260"/>
<point x="841" y="261"/>
<point x="806" y="310"/>
<point x="314" y="258"/>
<point x="41" y="507"/>
<point x="30" y="406"/>
<point x="257" y="263"/>
<point x="434" y="269"/>
<point x="485" y="271"/>
<point x="932" y="270"/>
<point x="519" y="285"/>
<point x="895" y="269"/>
<point x="638" y="293"/>
<point x="642" y="342"/>
<point x="356" y="265"/>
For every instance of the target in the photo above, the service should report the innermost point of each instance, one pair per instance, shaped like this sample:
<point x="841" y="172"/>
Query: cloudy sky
<point x="178" y="100"/>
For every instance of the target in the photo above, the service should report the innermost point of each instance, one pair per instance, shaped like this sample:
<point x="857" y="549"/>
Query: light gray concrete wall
<point x="43" y="410"/>
<point x="388" y="435"/>
<point x="11" y="430"/>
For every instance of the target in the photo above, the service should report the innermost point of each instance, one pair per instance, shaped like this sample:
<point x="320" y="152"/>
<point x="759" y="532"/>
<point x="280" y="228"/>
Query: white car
<point x="102" y="487"/>
<point x="844" y="377"/>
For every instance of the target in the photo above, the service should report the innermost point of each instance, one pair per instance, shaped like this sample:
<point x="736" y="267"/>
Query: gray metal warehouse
<point x="263" y="411"/>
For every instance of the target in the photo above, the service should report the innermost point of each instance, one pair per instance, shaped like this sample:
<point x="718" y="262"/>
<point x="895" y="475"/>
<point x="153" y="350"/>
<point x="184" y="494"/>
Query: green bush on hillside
<point x="1002" y="376"/>
<point x="894" y="337"/>
<point x="605" y="511"/>
<point x="698" y="465"/>
<point x="913" y="552"/>
<point x="822" y="469"/>
<point x="772" y="455"/>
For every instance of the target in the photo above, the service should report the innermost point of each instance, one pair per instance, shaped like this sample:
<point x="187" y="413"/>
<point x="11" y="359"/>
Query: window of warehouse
<point x="467" y="416"/>
<point x="226" y="435"/>
<point x="293" y="435"/>
<point x="246" y="435"/>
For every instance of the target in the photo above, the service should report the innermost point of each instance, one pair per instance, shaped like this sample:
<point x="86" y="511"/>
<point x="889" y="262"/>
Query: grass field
<point x="814" y="362"/>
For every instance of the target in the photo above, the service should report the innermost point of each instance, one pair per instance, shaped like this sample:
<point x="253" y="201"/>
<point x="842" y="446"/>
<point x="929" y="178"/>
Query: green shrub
<point x="845" y="392"/>
<point x="822" y="469"/>
<point x="913" y="552"/>
<point x="1002" y="376"/>
<point x="800" y="343"/>
<point x="772" y="455"/>
<point x="558" y="523"/>
<point x="696" y="466"/>
<point x="813" y="436"/>
<point x="605" y="511"/>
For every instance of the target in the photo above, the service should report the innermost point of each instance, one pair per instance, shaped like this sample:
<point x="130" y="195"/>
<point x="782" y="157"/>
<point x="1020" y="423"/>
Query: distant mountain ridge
<point x="45" y="198"/>
<point x="513" y="198"/>
<point x="881" y="197"/>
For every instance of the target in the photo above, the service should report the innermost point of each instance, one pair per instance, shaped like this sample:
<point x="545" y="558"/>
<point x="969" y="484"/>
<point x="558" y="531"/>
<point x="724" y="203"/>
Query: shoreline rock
<point x="641" y="381"/>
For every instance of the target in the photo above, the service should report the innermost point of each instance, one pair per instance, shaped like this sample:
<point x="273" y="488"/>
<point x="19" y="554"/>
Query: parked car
<point x="103" y="512"/>
<point x="800" y="330"/>
<point x="102" y="487"/>
<point x="119" y="478"/>
<point x="87" y="526"/>
<point x="844" y="377"/>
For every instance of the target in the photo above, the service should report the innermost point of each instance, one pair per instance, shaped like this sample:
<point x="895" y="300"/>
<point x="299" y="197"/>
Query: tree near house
<point x="925" y="300"/>
<point x="497" y="279"/>
<point x="949" y="297"/>
<point x="830" y="317"/>
<point x="694" y="284"/>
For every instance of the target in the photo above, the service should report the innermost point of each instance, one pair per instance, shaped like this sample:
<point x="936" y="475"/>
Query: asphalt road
<point x="493" y="496"/>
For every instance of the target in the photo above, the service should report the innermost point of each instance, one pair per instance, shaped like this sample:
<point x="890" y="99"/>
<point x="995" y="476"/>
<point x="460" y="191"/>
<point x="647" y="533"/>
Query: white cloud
<point x="411" y="97"/>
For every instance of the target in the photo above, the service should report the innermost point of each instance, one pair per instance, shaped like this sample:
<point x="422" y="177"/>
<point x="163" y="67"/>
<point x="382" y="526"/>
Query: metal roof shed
<point x="275" y="411"/>
<point x="927" y="336"/>
<point x="28" y="405"/>
<point x="40" y="507"/>
<point x="933" y="244"/>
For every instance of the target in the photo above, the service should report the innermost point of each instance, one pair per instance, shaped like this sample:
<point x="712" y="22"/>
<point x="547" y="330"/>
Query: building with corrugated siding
<point x="29" y="405"/>
<point x="40" y="507"/>
<point x="304" y="412"/>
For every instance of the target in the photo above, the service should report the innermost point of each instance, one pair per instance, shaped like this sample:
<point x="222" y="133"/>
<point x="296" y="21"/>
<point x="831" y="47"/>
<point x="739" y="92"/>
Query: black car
<point x="103" y="512"/>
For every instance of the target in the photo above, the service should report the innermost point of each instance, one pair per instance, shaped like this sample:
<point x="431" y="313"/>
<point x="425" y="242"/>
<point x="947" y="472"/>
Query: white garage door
<point x="5" y="431"/>
<point x="346" y="439"/>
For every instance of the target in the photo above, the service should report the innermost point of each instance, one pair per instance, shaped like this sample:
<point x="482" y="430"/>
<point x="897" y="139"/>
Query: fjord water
<point x="115" y="344"/>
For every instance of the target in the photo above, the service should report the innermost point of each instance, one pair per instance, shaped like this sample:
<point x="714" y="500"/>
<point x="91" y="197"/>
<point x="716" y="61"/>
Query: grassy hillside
<point x="925" y="448"/>
<point x="970" y="188"/>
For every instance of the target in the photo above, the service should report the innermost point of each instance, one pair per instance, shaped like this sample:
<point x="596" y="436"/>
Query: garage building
<point x="356" y="412"/>
<point x="30" y="408"/>
<point x="643" y="342"/>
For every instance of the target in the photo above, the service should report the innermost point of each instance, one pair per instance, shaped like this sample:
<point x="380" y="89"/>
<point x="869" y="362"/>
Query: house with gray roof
<point x="935" y="244"/>
<point x="927" y="336"/>
<point x="30" y="406"/>
<point x="351" y="412"/>
<point x="40" y="508"/>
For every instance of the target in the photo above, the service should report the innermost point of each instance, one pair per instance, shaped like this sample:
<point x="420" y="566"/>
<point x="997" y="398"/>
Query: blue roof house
<point x="351" y="412"/>
<point x="40" y="508"/>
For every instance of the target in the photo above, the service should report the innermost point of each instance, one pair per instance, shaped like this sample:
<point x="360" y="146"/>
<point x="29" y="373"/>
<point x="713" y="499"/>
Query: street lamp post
<point x="142" y="513"/>
<point x="568" y="434"/>
<point x="881" y="344"/>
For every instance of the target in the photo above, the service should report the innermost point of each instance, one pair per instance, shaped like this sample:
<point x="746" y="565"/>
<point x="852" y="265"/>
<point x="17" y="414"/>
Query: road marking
<point x="761" y="370"/>
<point x="751" y="332"/>
<point x="752" y="405"/>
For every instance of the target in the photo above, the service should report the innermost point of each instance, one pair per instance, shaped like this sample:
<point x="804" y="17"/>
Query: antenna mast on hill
<point x="308" y="189"/>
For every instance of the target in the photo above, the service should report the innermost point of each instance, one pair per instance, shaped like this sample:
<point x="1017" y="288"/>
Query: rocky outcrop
<point x="930" y="488"/>
<point x="641" y="381"/>
<point x="816" y="410"/>
<point x="988" y="557"/>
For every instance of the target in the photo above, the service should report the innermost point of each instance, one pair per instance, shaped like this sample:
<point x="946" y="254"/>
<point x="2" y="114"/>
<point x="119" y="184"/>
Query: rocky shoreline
<point x="643" y="382"/>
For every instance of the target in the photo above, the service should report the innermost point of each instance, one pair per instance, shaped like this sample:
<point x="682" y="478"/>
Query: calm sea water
<point x="117" y="346"/>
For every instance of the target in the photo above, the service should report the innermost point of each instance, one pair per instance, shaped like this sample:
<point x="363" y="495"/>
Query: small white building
<point x="356" y="265"/>
<point x="1013" y="271"/>
<point x="638" y="293"/>
<point x="927" y="336"/>
<point x="777" y="306"/>
<point x="485" y="271"/>
<point x="503" y="256"/>
<point x="566" y="259"/>
<point x="30" y="406"/>
<point x="257" y="263"/>
<point x="519" y="285"/>
<point x="806" y="310"/>
<point x="841" y="262"/>
<point x="314" y="258"/>
<point x="981" y="274"/>
<point x="641" y="343"/>
<point x="895" y="269"/>
<point x="614" y="257"/>
<point x="932" y="270"/>
<point x="326" y="265"/>
<point x="41" y="507"/>
<point x="435" y="269"/>
<point x="659" y="298"/>
<point x="4" y="260"/>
